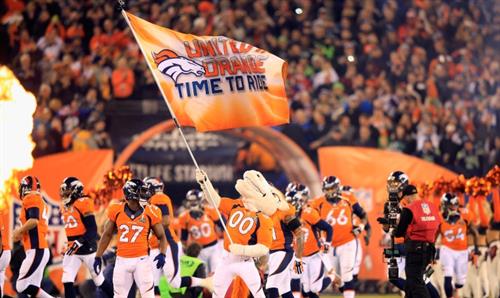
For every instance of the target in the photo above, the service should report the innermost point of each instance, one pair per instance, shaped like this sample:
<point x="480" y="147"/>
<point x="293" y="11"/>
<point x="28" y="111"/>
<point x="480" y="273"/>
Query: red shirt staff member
<point x="419" y="223"/>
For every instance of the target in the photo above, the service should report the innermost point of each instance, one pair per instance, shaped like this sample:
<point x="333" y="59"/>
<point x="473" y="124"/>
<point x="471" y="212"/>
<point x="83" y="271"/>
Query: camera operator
<point x="396" y="183"/>
<point x="418" y="223"/>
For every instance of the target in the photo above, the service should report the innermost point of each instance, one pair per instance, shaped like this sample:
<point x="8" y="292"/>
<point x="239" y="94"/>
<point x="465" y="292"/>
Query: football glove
<point x="160" y="261"/>
<point x="74" y="247"/>
<point x="298" y="266"/>
<point x="97" y="265"/>
<point x="357" y="230"/>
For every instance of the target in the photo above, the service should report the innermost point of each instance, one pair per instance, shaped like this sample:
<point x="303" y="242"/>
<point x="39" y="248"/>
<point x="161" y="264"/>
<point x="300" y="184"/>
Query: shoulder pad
<point x="345" y="200"/>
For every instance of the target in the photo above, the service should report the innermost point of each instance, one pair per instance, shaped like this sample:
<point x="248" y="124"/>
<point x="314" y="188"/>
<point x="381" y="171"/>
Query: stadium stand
<point x="420" y="77"/>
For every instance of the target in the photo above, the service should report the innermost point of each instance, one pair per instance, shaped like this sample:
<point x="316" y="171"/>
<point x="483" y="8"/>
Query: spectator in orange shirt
<point x="98" y="39"/>
<point x="123" y="80"/>
<point x="75" y="30"/>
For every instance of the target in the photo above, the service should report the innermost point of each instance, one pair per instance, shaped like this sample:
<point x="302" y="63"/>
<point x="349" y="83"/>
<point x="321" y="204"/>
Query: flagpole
<point x="174" y="117"/>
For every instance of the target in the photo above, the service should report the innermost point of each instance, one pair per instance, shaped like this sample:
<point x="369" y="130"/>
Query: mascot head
<point x="257" y="194"/>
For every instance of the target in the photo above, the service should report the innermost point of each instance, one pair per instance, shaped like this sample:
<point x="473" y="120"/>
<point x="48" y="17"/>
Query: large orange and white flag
<point x="214" y="82"/>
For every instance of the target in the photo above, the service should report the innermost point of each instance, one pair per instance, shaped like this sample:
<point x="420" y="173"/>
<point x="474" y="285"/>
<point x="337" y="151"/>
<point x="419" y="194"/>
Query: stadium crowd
<point x="420" y="77"/>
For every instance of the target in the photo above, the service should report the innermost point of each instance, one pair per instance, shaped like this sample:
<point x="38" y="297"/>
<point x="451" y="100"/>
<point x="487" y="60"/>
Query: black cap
<point x="410" y="190"/>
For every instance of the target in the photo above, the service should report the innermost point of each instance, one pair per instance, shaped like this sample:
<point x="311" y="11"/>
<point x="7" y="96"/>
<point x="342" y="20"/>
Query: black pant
<point x="417" y="259"/>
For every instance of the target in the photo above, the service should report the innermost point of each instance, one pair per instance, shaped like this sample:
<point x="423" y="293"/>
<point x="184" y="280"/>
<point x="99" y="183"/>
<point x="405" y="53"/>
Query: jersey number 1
<point x="125" y="230"/>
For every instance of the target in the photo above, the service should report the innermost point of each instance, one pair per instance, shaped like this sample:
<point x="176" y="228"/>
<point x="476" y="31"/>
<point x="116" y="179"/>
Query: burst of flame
<point x="16" y="123"/>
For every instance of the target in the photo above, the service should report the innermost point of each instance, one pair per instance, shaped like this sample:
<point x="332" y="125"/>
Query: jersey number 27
<point x="124" y="237"/>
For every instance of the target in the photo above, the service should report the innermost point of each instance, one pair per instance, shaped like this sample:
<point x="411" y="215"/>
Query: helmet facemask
<point x="193" y="204"/>
<point x="332" y="194"/>
<point x="65" y="194"/>
<point x="143" y="202"/>
<point x="450" y="205"/>
<point x="70" y="190"/>
<point x="332" y="189"/>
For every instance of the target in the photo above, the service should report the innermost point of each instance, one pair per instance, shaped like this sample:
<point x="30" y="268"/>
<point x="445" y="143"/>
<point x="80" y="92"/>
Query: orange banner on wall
<point x="366" y="170"/>
<point x="214" y="82"/>
<point x="89" y="166"/>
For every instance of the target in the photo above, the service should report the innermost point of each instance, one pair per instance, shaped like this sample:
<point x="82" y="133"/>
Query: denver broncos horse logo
<point x="173" y="65"/>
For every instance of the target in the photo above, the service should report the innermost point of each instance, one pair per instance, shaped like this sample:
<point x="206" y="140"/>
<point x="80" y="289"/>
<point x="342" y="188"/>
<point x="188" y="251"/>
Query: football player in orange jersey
<point x="249" y="227"/>
<point x="338" y="211"/>
<point x="314" y="280"/>
<point x="362" y="225"/>
<point x="198" y="223"/>
<point x="164" y="203"/>
<point x="133" y="222"/>
<point x="493" y="238"/>
<point x="33" y="232"/>
<point x="480" y="216"/>
<point x="171" y="270"/>
<point x="4" y="251"/>
<point x="286" y="227"/>
<point x="453" y="252"/>
<point x="81" y="231"/>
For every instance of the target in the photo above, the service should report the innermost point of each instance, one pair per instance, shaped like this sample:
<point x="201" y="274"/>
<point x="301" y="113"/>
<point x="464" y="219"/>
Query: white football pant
<point x="344" y="259"/>
<point x="4" y="262"/>
<point x="32" y="269"/>
<point x="280" y="271"/>
<point x="172" y="269"/>
<point x="454" y="264"/>
<point x="211" y="256"/>
<point x="232" y="266"/>
<point x="314" y="272"/>
<point x="71" y="266"/>
<point x="130" y="270"/>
